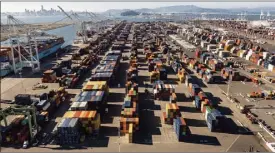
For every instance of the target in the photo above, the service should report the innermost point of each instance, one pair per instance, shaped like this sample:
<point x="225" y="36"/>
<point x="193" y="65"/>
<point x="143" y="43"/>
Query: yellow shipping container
<point x="131" y="128"/>
<point x="228" y="47"/>
<point x="96" y="85"/>
<point x="69" y="114"/>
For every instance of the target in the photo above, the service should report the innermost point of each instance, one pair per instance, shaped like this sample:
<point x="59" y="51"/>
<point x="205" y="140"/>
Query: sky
<point x="103" y="6"/>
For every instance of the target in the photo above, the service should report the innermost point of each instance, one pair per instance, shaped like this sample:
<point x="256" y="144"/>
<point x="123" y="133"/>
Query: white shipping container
<point x="270" y="67"/>
<point x="222" y="38"/>
<point x="202" y="43"/>
<point x="211" y="47"/>
<point x="250" y="51"/>
<point x="247" y="57"/>
<point x="83" y="105"/>
<point x="242" y="55"/>
<point x="232" y="50"/>
<point x="229" y="42"/>
<point x="74" y="106"/>
<point x="220" y="46"/>
<point x="259" y="62"/>
<point x="265" y="55"/>
<point x="206" y="60"/>
<point x="219" y="50"/>
<point x="220" y="54"/>
<point x="186" y="83"/>
<point x="46" y="106"/>
<point x="206" y="113"/>
<point x="205" y="44"/>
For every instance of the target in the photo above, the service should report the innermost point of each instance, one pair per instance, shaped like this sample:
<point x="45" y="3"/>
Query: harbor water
<point x="68" y="32"/>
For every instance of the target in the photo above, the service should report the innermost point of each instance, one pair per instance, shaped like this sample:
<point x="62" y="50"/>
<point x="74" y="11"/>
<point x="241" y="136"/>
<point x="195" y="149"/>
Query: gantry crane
<point x="28" y="60"/>
<point x="76" y="20"/>
<point x="98" y="21"/>
<point x="28" y="111"/>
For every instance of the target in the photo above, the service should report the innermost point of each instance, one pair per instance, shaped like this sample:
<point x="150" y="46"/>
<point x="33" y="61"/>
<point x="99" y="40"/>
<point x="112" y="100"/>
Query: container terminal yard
<point x="152" y="86"/>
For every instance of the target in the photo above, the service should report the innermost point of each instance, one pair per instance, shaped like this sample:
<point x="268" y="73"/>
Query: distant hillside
<point x="195" y="9"/>
<point x="115" y="12"/>
<point x="186" y="8"/>
<point x="130" y="13"/>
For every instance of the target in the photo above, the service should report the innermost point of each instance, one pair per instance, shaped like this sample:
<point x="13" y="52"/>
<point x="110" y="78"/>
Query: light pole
<point x="229" y="82"/>
<point x="20" y="74"/>
<point x="119" y="136"/>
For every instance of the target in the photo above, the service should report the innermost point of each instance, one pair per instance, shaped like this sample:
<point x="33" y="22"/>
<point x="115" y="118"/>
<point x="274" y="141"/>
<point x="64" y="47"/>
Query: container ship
<point x="46" y="44"/>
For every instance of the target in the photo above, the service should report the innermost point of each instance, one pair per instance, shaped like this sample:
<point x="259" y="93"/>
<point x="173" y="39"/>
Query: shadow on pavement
<point x="107" y="131"/>
<point x="195" y="122"/>
<point x="198" y="81"/>
<point x="225" y="110"/>
<point x="202" y="139"/>
<point x="181" y="97"/>
<point x="188" y="109"/>
<point x="115" y="97"/>
<point x="113" y="110"/>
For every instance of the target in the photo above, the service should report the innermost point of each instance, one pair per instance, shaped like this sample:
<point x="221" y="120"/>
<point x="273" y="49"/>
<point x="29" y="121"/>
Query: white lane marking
<point x="232" y="143"/>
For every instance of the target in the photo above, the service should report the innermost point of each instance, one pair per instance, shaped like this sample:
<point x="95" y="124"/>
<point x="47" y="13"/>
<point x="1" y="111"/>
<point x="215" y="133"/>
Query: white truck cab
<point x="26" y="144"/>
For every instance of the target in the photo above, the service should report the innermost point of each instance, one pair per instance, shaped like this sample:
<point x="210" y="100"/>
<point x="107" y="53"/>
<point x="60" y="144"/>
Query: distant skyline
<point x="104" y="6"/>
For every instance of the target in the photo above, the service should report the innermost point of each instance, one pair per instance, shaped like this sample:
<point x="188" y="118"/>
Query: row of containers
<point x="164" y="91"/>
<point x="77" y="124"/>
<point x="264" y="59"/>
<point x="214" y="119"/>
<point x="83" y="117"/>
<point x="172" y="116"/>
<point x="17" y="129"/>
<point x="71" y="75"/>
<point x="260" y="59"/>
<point x="208" y="75"/>
<point x="158" y="73"/>
<point x="109" y="66"/>
<point x="244" y="49"/>
<point x="254" y="53"/>
<point x="129" y="120"/>
<point x="268" y="95"/>
<point x="72" y="70"/>
<point x="69" y="72"/>
<point x="157" y="70"/>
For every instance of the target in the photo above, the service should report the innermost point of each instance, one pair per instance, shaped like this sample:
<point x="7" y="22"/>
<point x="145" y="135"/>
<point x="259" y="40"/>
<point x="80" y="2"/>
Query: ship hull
<point x="42" y="54"/>
<point x="49" y="51"/>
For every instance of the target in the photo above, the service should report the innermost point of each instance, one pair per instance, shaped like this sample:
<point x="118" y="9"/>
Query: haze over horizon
<point x="104" y="6"/>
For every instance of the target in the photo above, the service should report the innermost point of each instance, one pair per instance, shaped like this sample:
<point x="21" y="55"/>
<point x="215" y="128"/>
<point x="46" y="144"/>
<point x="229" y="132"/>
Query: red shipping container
<point x="203" y="108"/>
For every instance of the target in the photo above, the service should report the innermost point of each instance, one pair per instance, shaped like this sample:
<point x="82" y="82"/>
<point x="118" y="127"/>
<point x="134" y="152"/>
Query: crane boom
<point x="92" y="16"/>
<point x="76" y="16"/>
<point x="65" y="13"/>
